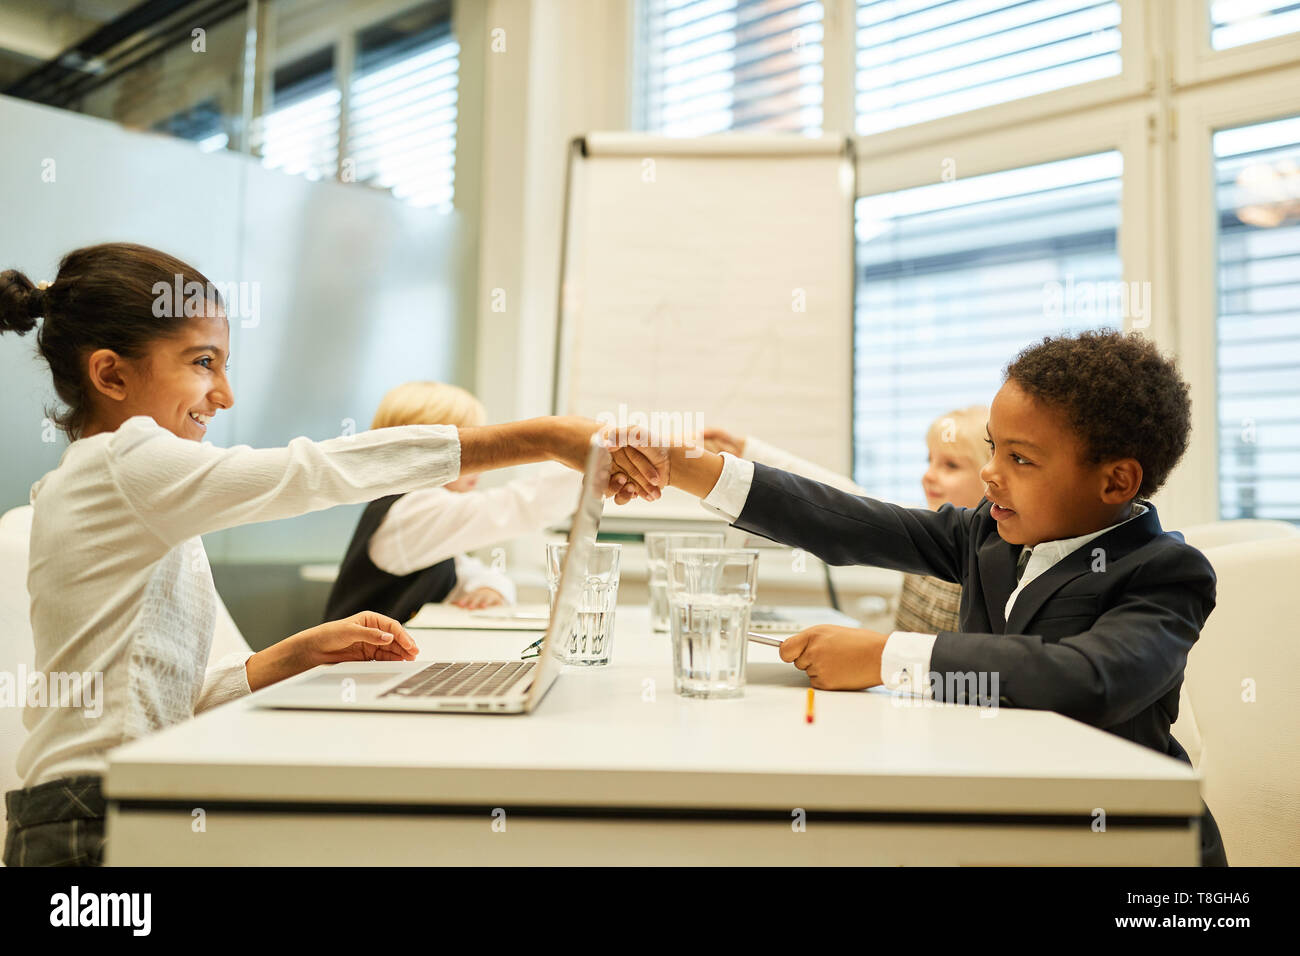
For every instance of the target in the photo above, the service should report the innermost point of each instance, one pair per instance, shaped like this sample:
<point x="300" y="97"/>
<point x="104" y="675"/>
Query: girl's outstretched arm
<point x="181" y="488"/>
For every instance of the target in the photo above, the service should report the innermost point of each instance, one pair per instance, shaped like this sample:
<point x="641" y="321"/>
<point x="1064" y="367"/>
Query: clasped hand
<point x="640" y="466"/>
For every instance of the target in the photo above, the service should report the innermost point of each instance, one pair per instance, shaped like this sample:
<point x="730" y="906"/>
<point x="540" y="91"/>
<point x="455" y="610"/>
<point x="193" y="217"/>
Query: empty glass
<point x="592" y="638"/>
<point x="657" y="545"/>
<point x="710" y="593"/>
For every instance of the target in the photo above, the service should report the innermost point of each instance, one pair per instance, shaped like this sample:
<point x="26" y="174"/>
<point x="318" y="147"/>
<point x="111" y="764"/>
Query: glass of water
<point x="657" y="546"/>
<point x="592" y="637"/>
<point x="710" y="592"/>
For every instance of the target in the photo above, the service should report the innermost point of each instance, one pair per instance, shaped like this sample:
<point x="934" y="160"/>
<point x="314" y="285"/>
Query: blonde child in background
<point x="410" y="549"/>
<point x="957" y="452"/>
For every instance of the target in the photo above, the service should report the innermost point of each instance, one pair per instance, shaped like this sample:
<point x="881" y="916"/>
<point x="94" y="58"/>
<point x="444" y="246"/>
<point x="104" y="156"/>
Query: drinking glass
<point x="657" y="545"/>
<point x="590" y="641"/>
<point x="710" y="593"/>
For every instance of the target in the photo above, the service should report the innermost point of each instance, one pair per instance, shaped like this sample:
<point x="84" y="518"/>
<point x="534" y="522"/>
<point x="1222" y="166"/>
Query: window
<point x="402" y="111"/>
<point x="1257" y="184"/>
<point x="1237" y="22"/>
<point x="922" y="59"/>
<point x="955" y="278"/>
<point x="300" y="133"/>
<point x="708" y="66"/>
<point x="202" y="124"/>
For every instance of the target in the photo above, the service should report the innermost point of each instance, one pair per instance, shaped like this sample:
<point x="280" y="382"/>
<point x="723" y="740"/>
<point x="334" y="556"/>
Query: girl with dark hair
<point x="119" y="581"/>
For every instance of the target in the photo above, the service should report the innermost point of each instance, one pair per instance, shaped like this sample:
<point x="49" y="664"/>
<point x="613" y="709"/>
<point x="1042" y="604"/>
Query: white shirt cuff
<point x="224" y="681"/>
<point x="727" y="499"/>
<point x="905" y="662"/>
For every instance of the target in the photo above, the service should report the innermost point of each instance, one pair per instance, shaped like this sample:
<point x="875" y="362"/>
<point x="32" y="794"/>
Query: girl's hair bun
<point x="21" y="303"/>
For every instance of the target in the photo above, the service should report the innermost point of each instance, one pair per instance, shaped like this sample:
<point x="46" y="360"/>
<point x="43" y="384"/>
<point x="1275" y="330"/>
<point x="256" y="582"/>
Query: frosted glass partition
<point x="354" y="292"/>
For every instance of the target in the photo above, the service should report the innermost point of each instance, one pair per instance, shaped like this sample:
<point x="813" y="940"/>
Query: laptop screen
<point x="582" y="538"/>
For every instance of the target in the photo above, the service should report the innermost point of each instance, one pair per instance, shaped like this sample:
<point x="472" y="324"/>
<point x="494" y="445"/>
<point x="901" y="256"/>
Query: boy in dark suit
<point x="1072" y="594"/>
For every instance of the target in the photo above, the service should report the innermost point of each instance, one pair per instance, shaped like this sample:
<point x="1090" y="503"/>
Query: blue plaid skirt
<point x="60" y="823"/>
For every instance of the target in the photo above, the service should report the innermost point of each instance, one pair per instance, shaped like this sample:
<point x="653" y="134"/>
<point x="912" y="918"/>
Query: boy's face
<point x="1037" y="479"/>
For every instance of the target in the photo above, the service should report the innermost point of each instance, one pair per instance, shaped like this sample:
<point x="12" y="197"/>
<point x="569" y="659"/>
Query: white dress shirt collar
<point x="1046" y="554"/>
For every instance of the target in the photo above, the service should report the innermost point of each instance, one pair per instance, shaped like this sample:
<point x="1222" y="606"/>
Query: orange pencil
<point x="810" y="705"/>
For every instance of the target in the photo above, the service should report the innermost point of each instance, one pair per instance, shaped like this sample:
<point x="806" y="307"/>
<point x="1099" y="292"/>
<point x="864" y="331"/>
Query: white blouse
<point x="120" y="585"/>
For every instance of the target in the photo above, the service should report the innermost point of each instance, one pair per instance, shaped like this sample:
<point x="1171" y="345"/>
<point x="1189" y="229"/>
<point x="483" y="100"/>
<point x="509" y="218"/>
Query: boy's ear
<point x="1121" y="480"/>
<point x="104" y="369"/>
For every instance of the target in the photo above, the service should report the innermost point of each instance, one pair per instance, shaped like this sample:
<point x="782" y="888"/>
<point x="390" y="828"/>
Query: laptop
<point x="785" y="618"/>
<point x="462" y="687"/>
<point x="790" y="619"/>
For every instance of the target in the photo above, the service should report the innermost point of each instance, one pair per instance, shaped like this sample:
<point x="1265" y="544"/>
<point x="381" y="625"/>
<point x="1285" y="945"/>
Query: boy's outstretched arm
<point x="838" y="527"/>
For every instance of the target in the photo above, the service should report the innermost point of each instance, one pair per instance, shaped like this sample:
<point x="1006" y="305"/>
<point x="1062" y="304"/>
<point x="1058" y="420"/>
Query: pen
<point x="810" y="705"/>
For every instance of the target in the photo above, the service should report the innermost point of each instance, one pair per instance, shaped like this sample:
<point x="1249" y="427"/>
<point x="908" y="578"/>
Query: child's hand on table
<point x="836" y="658"/>
<point x="365" y="636"/>
<point x="480" y="597"/>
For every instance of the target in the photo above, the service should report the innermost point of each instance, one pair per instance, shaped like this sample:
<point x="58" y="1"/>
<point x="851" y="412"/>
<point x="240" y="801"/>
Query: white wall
<point x="565" y="71"/>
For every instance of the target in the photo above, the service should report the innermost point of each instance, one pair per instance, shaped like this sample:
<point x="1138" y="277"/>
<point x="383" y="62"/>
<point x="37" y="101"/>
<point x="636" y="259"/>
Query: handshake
<point x="644" y="462"/>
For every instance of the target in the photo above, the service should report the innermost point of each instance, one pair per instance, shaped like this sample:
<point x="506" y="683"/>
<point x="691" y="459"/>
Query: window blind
<point x="403" y="109"/>
<point x="919" y="60"/>
<point x="954" y="279"/>
<point x="1237" y="22"/>
<point x="299" y="134"/>
<point x="709" y="66"/>
<point x="1257" y="184"/>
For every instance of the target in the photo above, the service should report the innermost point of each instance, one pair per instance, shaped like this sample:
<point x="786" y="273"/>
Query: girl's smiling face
<point x="180" y="382"/>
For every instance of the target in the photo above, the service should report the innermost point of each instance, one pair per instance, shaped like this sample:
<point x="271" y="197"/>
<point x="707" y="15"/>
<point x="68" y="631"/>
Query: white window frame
<point x="840" y="115"/>
<point x="1256" y="98"/>
<point x="1195" y="61"/>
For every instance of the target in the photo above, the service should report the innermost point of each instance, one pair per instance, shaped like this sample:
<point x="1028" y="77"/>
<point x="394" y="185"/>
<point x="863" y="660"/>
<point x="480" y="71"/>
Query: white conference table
<point x="614" y="768"/>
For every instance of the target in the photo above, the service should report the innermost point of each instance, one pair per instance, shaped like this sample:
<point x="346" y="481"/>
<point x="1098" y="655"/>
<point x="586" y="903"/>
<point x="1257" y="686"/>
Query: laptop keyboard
<point x="463" y="679"/>
<point x="769" y="619"/>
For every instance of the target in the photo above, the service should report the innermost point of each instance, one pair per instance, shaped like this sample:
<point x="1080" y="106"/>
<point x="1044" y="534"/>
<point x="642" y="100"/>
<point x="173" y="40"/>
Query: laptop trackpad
<point x="334" y="680"/>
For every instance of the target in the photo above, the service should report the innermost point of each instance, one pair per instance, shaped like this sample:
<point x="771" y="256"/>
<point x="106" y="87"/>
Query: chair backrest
<point x="16" y="649"/>
<point x="1215" y="534"/>
<point x="1240" y="682"/>
<point x="1218" y="533"/>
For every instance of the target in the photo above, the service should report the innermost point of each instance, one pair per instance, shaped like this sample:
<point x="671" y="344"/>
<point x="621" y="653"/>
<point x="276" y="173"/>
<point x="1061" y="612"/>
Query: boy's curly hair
<point x="1121" y="396"/>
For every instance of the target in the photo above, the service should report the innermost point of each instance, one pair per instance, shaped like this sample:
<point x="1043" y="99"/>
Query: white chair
<point x="1240" y="684"/>
<point x="1217" y="533"/>
<point x="16" y="637"/>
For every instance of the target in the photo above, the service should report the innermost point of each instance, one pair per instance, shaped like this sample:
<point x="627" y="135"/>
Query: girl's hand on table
<point x="365" y="636"/>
